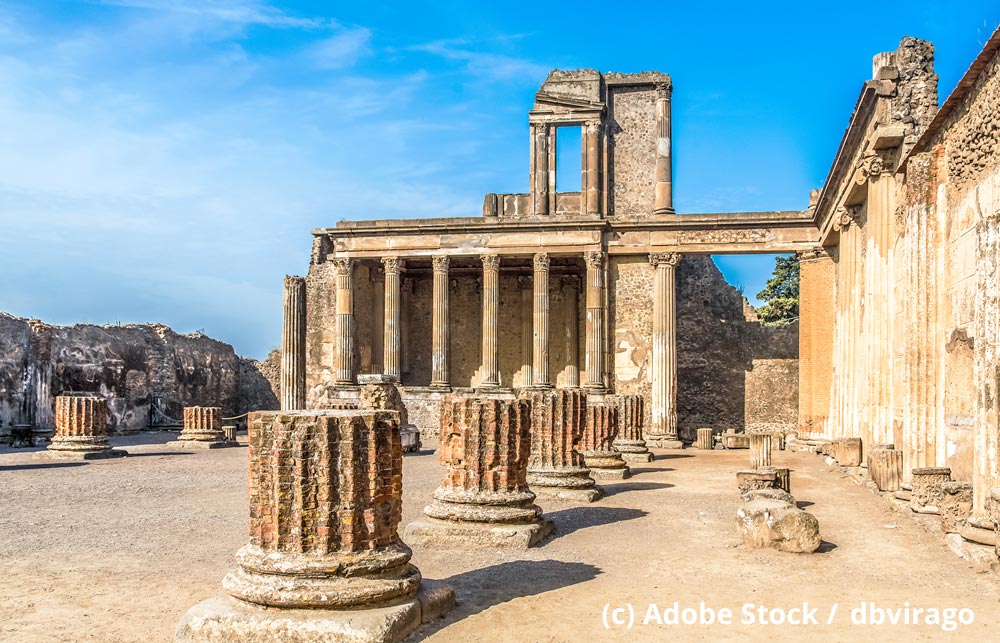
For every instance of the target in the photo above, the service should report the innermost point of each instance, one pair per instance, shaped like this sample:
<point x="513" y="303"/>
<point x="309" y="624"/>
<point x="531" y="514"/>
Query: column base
<point x="222" y="619"/>
<point x="978" y="535"/>
<point x="201" y="444"/>
<point x="664" y="442"/>
<point x="592" y="494"/>
<point x="476" y="534"/>
<point x="607" y="466"/>
<point x="58" y="454"/>
<point x="638" y="457"/>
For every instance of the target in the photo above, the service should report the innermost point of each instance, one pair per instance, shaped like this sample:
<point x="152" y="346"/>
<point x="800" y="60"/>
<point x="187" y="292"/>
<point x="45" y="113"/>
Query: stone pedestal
<point x="733" y="440"/>
<point x="925" y="497"/>
<point x="705" y="439"/>
<point x="81" y="430"/>
<point x="484" y="498"/>
<point x="764" y="478"/>
<point x="760" y="450"/>
<point x="202" y="429"/>
<point x="556" y="468"/>
<point x="599" y="433"/>
<point x="885" y="466"/>
<point x="630" y="442"/>
<point x="379" y="392"/>
<point x="956" y="504"/>
<point x="324" y="556"/>
<point x="229" y="431"/>
<point x="847" y="452"/>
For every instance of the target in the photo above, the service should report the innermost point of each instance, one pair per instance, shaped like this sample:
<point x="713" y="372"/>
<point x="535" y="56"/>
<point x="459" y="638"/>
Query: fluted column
<point x="595" y="321"/>
<point x="663" y="432"/>
<point x="343" y="358"/>
<point x="491" y="300"/>
<point x="439" y="321"/>
<point x="391" y="336"/>
<point x="406" y="297"/>
<point x="293" y="345"/>
<point x="527" y="324"/>
<point x="591" y="191"/>
<point x="664" y="198"/>
<point x="540" y="177"/>
<point x="571" y="291"/>
<point x="540" y="364"/>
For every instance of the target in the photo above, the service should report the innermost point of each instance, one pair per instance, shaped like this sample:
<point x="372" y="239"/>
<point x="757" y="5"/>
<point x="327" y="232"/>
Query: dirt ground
<point x="118" y="551"/>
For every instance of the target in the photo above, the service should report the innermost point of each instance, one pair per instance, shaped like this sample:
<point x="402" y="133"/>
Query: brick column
<point x="343" y="358"/>
<point x="630" y="441"/>
<point x="662" y="177"/>
<point x="491" y="302"/>
<point x="81" y="429"/>
<point x="663" y="372"/>
<point x="202" y="429"/>
<point x="293" y="345"/>
<point x="484" y="497"/>
<point x="556" y="468"/>
<point x="391" y="347"/>
<point x="597" y="445"/>
<point x="439" y="322"/>
<point x="595" y="321"/>
<point x="540" y="364"/>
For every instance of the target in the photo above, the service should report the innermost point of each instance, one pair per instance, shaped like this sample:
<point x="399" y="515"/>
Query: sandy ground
<point x="118" y="550"/>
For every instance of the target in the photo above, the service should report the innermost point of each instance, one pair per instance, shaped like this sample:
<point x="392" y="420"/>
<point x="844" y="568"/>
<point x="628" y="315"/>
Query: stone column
<point x="663" y="372"/>
<point x="540" y="365"/>
<point x="540" y="178"/>
<point x="439" y="348"/>
<point x="590" y="195"/>
<point x="663" y="182"/>
<point x="597" y="445"/>
<point x="406" y="297"/>
<point x="343" y="358"/>
<point x="527" y="328"/>
<point x="705" y="439"/>
<point x="760" y="450"/>
<point x="202" y="429"/>
<point x="391" y="338"/>
<point x="81" y="429"/>
<point x="491" y="302"/>
<point x="631" y="442"/>
<point x="378" y="319"/>
<point x="293" y="345"/>
<point x="556" y="468"/>
<point x="885" y="466"/>
<point x="595" y="321"/>
<point x="571" y="292"/>
<point x="484" y="497"/>
<point x="324" y="554"/>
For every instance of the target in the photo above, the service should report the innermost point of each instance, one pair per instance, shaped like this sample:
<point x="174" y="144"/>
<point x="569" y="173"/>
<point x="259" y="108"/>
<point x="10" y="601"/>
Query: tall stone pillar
<point x="540" y="365"/>
<point x="293" y="345"/>
<point x="663" y="374"/>
<point x="406" y="297"/>
<point x="540" y="163"/>
<point x="343" y="357"/>
<point x="378" y="320"/>
<point x="590" y="197"/>
<point x="484" y="497"/>
<point x="524" y="283"/>
<point x="595" y="321"/>
<point x="81" y="429"/>
<point x="491" y="303"/>
<point x="663" y="181"/>
<point x="571" y="346"/>
<point x="439" y="322"/>
<point x="324" y="554"/>
<point x="391" y="346"/>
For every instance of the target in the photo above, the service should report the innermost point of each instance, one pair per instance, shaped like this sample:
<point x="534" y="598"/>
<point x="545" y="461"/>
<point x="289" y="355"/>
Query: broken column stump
<point x="380" y="392"/>
<point x="925" y="497"/>
<point x="955" y="506"/>
<point x="556" y="468"/>
<point x="81" y="429"/>
<point x="772" y="519"/>
<point x="599" y="433"/>
<point x="483" y="499"/>
<point x="202" y="429"/>
<point x="760" y="450"/>
<point x="229" y="431"/>
<point x="705" y="439"/>
<point x="631" y="442"/>
<point x="847" y="452"/>
<point x="324" y="556"/>
<point x="733" y="440"/>
<point x="763" y="478"/>
<point x="885" y="467"/>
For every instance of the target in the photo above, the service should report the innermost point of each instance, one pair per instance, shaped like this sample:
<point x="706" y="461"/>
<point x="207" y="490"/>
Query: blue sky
<point x="165" y="160"/>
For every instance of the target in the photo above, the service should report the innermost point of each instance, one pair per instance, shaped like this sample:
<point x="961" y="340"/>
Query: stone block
<point x="925" y="496"/>
<point x="765" y="522"/>
<point x="733" y="440"/>
<point x="885" y="466"/>
<point x="760" y="450"/>
<point x="705" y="439"/>
<point x="847" y="452"/>
<point x="955" y="506"/>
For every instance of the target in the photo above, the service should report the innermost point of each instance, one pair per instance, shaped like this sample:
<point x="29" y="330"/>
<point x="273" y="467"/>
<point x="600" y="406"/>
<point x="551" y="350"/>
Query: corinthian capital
<point x="541" y="261"/>
<point x="665" y="258"/>
<point x="392" y="265"/>
<point x="440" y="263"/>
<point x="594" y="259"/>
<point x="343" y="265"/>
<point x="490" y="262"/>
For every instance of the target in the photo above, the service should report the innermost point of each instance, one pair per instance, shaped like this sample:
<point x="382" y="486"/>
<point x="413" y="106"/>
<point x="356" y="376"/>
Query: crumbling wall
<point x="632" y="149"/>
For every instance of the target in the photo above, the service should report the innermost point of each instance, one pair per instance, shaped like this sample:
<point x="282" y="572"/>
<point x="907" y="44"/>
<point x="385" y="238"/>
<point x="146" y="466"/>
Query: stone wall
<point x="632" y="149"/>
<point x="134" y="366"/>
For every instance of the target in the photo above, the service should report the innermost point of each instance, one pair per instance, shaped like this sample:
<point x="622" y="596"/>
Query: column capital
<point x="490" y="262"/>
<point x="541" y="261"/>
<point x="665" y="259"/>
<point x="663" y="91"/>
<point x="343" y="265"/>
<point x="440" y="263"/>
<point x="594" y="259"/>
<point x="393" y="265"/>
<point x="847" y="215"/>
<point x="812" y="254"/>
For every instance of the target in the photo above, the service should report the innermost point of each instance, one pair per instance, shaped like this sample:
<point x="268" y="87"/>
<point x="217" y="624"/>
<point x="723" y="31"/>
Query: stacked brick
<point x="631" y="423"/>
<point x="81" y="429"/>
<point x="556" y="468"/>
<point x="597" y="445"/>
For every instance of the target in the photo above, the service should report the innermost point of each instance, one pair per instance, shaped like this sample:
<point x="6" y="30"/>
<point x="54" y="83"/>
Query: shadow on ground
<point x="576" y="518"/>
<point x="615" y="489"/>
<point x="41" y="465"/>
<point x="825" y="546"/>
<point x="148" y="454"/>
<point x="478" y="590"/>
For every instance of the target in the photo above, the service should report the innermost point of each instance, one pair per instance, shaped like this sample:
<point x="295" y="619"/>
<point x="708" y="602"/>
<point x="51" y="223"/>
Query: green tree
<point x="781" y="293"/>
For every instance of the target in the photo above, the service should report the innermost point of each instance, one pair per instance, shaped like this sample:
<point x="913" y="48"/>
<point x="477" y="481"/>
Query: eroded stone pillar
<point x="483" y="499"/>
<point x="540" y="364"/>
<point x="597" y="445"/>
<point x="439" y="322"/>
<point x="630" y="441"/>
<point x="324" y="555"/>
<point x="956" y="505"/>
<point x="556" y="468"/>
<point x="571" y="292"/>
<point x="293" y="345"/>
<point x="406" y="297"/>
<point x="81" y="429"/>
<point x="590" y="196"/>
<point x="760" y="450"/>
<point x="595" y="322"/>
<point x="378" y="392"/>
<point x="663" y="181"/>
<point x="202" y="429"/>
<point x="885" y="466"/>
<point x="343" y="358"/>
<point x="391" y="349"/>
<point x="663" y="372"/>
<point x="705" y="439"/>
<point x="491" y="303"/>
<point x="540" y="162"/>
<point x="524" y="283"/>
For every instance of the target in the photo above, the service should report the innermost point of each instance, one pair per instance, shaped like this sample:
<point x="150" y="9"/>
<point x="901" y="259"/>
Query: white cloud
<point x="343" y="49"/>
<point x="485" y="65"/>
<point x="243" y="12"/>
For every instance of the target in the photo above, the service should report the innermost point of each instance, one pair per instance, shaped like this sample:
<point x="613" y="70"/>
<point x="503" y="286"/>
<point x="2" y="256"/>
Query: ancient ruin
<point x="630" y="442"/>
<point x="202" y="429"/>
<point x="81" y="429"/>
<point x="597" y="446"/>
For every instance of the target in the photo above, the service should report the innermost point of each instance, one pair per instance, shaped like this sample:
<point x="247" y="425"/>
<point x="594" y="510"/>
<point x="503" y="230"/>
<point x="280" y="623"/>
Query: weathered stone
<point x="733" y="440"/>
<point x="379" y="392"/>
<point x="325" y="557"/>
<point x="706" y="439"/>
<point x="630" y="441"/>
<point x="765" y="522"/>
<point x="925" y="496"/>
<point x="556" y="467"/>
<point x="748" y="480"/>
<point x="885" y="466"/>
<point x="663" y="431"/>
<point x="955" y="505"/>
<point x="202" y="429"/>
<point x="760" y="450"/>
<point x="597" y="445"/>
<point x="769" y="493"/>
<point x="293" y="345"/>
<point x="847" y="451"/>
<point x="229" y="431"/>
<point x="81" y="429"/>
<point x="483" y="499"/>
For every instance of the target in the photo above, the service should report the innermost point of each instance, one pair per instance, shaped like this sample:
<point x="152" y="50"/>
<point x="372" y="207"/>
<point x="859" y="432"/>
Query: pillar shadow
<point x="477" y="590"/>
<point x="802" y="504"/>
<point x="641" y="470"/>
<point x="576" y="518"/>
<point x="156" y="453"/>
<point x="615" y="489"/>
<point x="672" y="456"/>
<point x="42" y="465"/>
